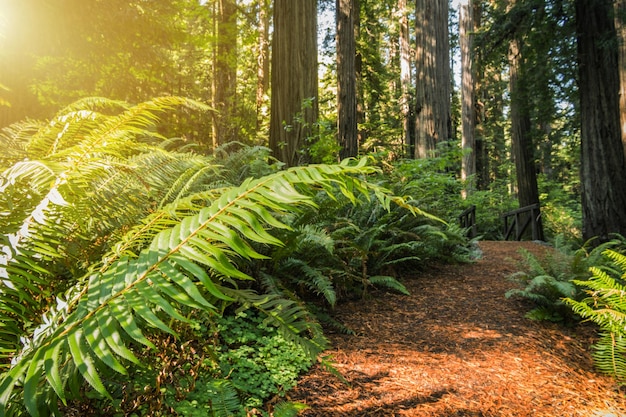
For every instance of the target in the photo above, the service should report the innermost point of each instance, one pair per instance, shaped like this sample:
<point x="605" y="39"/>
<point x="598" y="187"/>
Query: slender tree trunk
<point x="468" y="116"/>
<point x="432" y="96"/>
<point x="483" y="175"/>
<point x="405" y="77"/>
<point x="521" y="140"/>
<point x="294" y="103"/>
<point x="620" y="25"/>
<point x="215" y="117"/>
<point x="263" y="62"/>
<point x="226" y="71"/>
<point x="346" y="80"/>
<point x="358" y="69"/>
<point x="603" y="168"/>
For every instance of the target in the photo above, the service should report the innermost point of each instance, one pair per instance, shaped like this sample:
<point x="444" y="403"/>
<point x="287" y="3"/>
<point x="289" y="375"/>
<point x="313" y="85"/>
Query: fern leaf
<point x="389" y="282"/>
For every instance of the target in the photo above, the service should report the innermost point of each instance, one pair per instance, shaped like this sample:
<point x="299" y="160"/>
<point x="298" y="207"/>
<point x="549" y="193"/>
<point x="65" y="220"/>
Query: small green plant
<point x="546" y="282"/>
<point x="257" y="359"/>
<point x="605" y="305"/>
<point x="550" y="279"/>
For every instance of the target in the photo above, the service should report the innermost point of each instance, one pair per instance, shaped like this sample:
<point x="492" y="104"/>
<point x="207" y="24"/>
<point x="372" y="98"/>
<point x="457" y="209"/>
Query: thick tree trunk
<point x="346" y="80"/>
<point x="521" y="140"/>
<point x="433" y="76"/>
<point x="603" y="170"/>
<point x="468" y="116"/>
<point x="405" y="78"/>
<point x="294" y="103"/>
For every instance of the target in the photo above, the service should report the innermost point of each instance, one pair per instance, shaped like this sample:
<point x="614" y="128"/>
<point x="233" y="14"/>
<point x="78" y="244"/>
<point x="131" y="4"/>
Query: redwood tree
<point x="433" y="76"/>
<point x="346" y="79"/>
<point x="468" y="113"/>
<point x="603" y="169"/>
<point x="294" y="105"/>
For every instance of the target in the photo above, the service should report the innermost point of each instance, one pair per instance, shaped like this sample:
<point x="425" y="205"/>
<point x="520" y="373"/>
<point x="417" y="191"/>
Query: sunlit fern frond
<point x="57" y="209"/>
<point x="191" y="264"/>
<point x="606" y="306"/>
<point x="14" y="140"/>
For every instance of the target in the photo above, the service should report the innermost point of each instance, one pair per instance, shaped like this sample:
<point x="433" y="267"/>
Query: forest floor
<point x="458" y="347"/>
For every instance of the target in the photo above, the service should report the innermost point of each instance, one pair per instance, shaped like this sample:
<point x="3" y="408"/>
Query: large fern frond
<point x="606" y="306"/>
<point x="80" y="176"/>
<point x="190" y="264"/>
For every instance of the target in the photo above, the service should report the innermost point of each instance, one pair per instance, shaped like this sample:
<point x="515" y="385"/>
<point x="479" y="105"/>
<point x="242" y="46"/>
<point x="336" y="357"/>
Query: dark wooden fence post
<point x="467" y="219"/>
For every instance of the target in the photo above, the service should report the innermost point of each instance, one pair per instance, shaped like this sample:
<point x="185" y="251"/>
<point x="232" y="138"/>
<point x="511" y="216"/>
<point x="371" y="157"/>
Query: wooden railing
<point x="516" y="223"/>
<point x="467" y="219"/>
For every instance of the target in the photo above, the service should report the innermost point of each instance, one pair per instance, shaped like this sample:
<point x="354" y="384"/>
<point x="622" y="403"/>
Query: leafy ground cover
<point x="457" y="347"/>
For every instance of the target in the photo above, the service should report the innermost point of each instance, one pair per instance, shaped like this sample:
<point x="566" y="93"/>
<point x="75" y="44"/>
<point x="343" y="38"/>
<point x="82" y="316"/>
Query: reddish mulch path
<point x="457" y="347"/>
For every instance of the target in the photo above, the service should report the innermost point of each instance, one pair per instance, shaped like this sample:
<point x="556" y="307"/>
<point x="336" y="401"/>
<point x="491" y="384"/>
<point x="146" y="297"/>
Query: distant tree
<point x="603" y="167"/>
<point x="521" y="138"/>
<point x="405" y="77"/>
<point x="294" y="102"/>
<point x="468" y="98"/>
<point x="620" y="26"/>
<point x="225" y="80"/>
<point x="346" y="78"/>
<point x="263" y="59"/>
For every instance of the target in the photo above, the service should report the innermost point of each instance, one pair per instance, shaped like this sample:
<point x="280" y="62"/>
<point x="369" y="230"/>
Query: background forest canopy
<point x="494" y="98"/>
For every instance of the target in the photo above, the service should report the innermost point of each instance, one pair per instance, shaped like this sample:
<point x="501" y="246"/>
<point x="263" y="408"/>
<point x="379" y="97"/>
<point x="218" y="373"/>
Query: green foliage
<point x="561" y="209"/>
<point x="257" y="359"/>
<point x="605" y="305"/>
<point x="552" y="278"/>
<point x="210" y="397"/>
<point x="111" y="239"/>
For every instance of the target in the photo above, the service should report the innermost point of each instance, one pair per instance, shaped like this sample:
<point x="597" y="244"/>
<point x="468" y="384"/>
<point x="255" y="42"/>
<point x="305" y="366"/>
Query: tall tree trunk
<point x="432" y="96"/>
<point x="521" y="140"/>
<point x="226" y="70"/>
<point x="405" y="78"/>
<point x="294" y="103"/>
<point x="603" y="168"/>
<point x="483" y="174"/>
<point x="346" y="80"/>
<point x="620" y="25"/>
<point x="468" y="116"/>
<point x="263" y="61"/>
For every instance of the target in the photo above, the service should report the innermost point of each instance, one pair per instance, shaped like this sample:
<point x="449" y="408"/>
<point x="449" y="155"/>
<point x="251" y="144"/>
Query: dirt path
<point x="457" y="347"/>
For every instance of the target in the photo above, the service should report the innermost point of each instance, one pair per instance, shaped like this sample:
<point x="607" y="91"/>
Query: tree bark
<point x="263" y="61"/>
<point x="432" y="96"/>
<point x="405" y="78"/>
<point x="603" y="170"/>
<point x="620" y="26"/>
<point x="294" y="102"/>
<point x="346" y="80"/>
<point x="226" y="71"/>
<point x="521" y="140"/>
<point x="468" y="114"/>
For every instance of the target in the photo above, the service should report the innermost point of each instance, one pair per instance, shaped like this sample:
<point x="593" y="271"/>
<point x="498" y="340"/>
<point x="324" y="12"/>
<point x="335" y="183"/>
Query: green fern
<point x="187" y="264"/>
<point x="606" y="306"/>
<point x="223" y="398"/>
<point x="288" y="409"/>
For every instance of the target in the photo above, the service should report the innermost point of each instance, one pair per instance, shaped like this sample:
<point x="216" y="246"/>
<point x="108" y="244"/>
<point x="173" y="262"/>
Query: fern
<point x="388" y="282"/>
<point x="79" y="178"/>
<point x="288" y="409"/>
<point x="188" y="264"/>
<point x="223" y="398"/>
<point x="119" y="238"/>
<point x="606" y="306"/>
